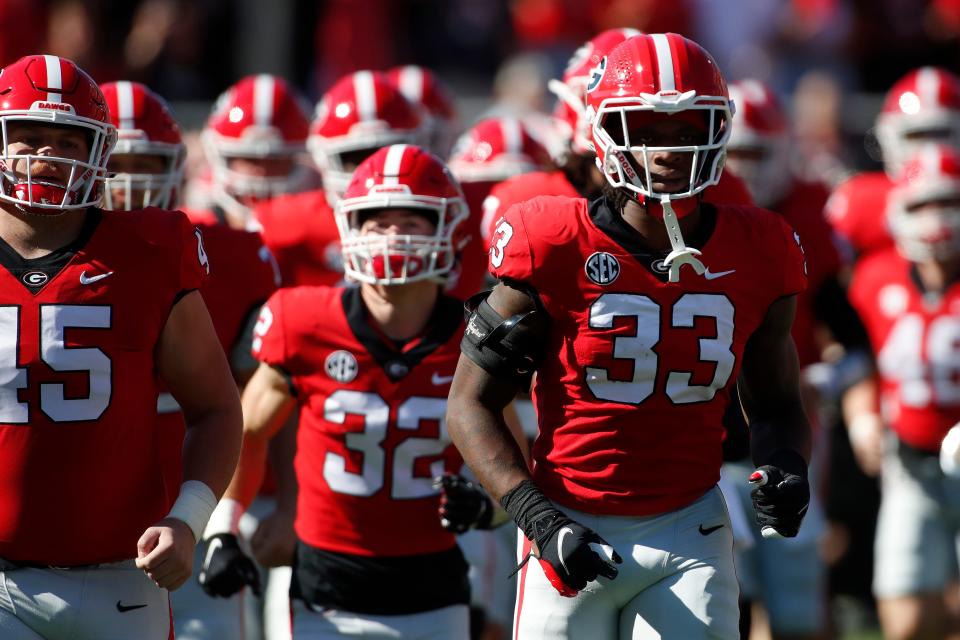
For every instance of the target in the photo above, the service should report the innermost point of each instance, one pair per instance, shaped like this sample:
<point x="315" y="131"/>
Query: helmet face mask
<point x="397" y="181"/>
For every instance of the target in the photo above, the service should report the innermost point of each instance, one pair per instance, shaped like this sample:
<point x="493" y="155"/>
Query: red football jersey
<point x="638" y="371"/>
<point x="372" y="431"/>
<point x="80" y="476"/>
<point x="917" y="341"/>
<point x="857" y="211"/>
<point x="730" y="190"/>
<point x="301" y="233"/>
<point x="802" y="208"/>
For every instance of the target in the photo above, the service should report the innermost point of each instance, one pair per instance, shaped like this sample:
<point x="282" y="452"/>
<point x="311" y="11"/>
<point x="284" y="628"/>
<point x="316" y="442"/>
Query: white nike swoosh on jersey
<point x="438" y="380"/>
<point x="709" y="275"/>
<point x="563" y="532"/>
<point x="85" y="280"/>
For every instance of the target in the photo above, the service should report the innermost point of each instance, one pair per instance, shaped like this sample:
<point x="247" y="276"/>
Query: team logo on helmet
<point x="602" y="268"/>
<point x="596" y="74"/>
<point x="341" y="366"/>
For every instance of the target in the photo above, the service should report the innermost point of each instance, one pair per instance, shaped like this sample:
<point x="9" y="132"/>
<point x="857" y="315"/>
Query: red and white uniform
<point x="80" y="478"/>
<point x="372" y="431"/>
<point x="301" y="233"/>
<point x="637" y="371"/>
<point x="917" y="342"/>
<point x="857" y="211"/>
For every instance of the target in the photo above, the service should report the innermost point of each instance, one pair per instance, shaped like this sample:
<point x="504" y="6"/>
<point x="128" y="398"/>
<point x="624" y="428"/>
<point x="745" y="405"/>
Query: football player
<point x="370" y="367"/>
<point x="922" y="107"/>
<point x="577" y="175"/>
<point x="424" y="89"/>
<point x="909" y="298"/>
<point x="96" y="306"/>
<point x="359" y="114"/>
<point x="638" y="311"/>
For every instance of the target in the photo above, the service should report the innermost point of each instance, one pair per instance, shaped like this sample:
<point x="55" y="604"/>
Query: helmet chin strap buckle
<point x="681" y="254"/>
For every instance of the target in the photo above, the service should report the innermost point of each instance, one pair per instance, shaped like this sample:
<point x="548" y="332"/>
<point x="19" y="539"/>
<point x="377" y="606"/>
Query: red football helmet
<point x="144" y="128"/>
<point x="495" y="149"/>
<point x="929" y="177"/>
<point x="55" y="91"/>
<point x="571" y="92"/>
<point x="662" y="73"/>
<point x="259" y="117"/>
<point x="921" y="107"/>
<point x="361" y="113"/>
<point x="761" y="135"/>
<point x="421" y="86"/>
<point x="401" y="176"/>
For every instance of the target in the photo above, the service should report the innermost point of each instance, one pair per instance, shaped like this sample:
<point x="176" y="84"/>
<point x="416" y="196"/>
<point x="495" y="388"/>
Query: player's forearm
<point x="212" y="445"/>
<point x="280" y="453"/>
<point x="861" y="399"/>
<point x="248" y="476"/>
<point x="788" y="431"/>
<point x="487" y="445"/>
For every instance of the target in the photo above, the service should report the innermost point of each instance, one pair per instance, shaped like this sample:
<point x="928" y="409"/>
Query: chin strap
<point x="681" y="253"/>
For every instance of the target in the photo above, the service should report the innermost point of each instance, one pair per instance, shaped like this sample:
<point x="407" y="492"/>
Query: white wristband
<point x="225" y="518"/>
<point x="194" y="506"/>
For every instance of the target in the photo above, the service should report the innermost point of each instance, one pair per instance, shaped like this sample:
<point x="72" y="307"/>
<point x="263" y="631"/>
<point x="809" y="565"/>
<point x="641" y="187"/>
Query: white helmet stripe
<point x="54" y="78"/>
<point x="263" y="91"/>
<point x="411" y="83"/>
<point x="930" y="158"/>
<point x="391" y="165"/>
<point x="125" y="105"/>
<point x="512" y="136"/>
<point x="366" y="95"/>
<point x="928" y="86"/>
<point x="664" y="62"/>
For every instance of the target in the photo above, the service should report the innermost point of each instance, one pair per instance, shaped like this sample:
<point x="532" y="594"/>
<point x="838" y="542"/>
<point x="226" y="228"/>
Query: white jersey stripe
<point x="263" y="92"/>
<point x="664" y="62"/>
<point x="391" y="165"/>
<point x="512" y="136"/>
<point x="54" y="78"/>
<point x="366" y="95"/>
<point x="411" y="83"/>
<point x="928" y="86"/>
<point x="125" y="105"/>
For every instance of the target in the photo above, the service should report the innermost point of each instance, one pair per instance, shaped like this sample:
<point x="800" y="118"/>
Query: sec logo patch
<point x="341" y="366"/>
<point x="602" y="268"/>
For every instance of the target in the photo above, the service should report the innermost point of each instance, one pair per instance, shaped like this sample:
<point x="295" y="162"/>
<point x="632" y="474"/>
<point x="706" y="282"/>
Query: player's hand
<point x="274" y="542"/>
<point x="781" y="495"/>
<point x="165" y="553"/>
<point x="573" y="555"/>
<point x="867" y="438"/>
<point x="463" y="505"/>
<point x="226" y="569"/>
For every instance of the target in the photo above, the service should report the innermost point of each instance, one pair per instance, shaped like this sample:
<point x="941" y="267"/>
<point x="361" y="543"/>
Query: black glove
<point x="781" y="494"/>
<point x="563" y="545"/>
<point x="226" y="569"/>
<point x="463" y="505"/>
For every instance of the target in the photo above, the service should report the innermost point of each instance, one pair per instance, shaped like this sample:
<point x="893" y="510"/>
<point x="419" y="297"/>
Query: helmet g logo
<point x="602" y="268"/>
<point x="596" y="74"/>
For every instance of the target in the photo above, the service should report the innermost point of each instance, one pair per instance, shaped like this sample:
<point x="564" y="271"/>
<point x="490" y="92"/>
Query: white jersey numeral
<point x="926" y="368"/>
<point x="55" y="320"/>
<point x="369" y="443"/>
<point x="640" y="347"/>
<point x="501" y="236"/>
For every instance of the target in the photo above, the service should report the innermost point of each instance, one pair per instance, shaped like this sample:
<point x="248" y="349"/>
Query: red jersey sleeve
<point x="269" y="337"/>
<point x="511" y="256"/>
<point x="194" y="263"/>
<point x="794" y="263"/>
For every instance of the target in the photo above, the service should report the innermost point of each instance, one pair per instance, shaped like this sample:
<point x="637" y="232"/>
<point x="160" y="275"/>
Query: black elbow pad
<point x="504" y="347"/>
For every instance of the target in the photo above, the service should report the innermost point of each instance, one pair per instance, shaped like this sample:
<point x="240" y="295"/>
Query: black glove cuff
<point x="531" y="510"/>
<point x="790" y="461"/>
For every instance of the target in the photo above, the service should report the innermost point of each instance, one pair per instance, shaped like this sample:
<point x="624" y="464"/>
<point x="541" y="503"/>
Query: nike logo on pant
<point x="709" y="530"/>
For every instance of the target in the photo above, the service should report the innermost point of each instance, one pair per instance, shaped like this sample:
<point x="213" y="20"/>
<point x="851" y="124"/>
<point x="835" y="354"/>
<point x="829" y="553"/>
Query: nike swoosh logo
<point x="563" y="532"/>
<point x="123" y="608"/>
<point x="709" y="275"/>
<point x="438" y="380"/>
<point x="85" y="280"/>
<point x="709" y="530"/>
<point x="212" y="548"/>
